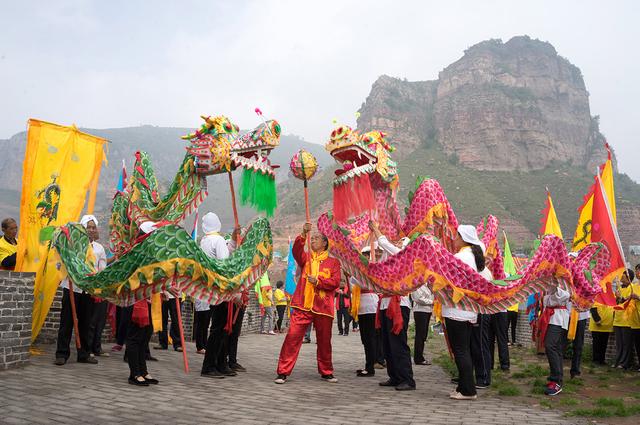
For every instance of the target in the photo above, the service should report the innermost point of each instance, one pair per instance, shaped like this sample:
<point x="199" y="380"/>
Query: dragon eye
<point x="333" y="133"/>
<point x="227" y="126"/>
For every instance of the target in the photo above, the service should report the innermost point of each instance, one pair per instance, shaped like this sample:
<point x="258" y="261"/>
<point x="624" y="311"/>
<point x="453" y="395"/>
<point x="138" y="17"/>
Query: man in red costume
<point x="312" y="302"/>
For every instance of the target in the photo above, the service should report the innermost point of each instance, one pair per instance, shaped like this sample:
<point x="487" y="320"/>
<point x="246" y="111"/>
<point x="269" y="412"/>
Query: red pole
<point x="184" y="348"/>
<point x="74" y="314"/>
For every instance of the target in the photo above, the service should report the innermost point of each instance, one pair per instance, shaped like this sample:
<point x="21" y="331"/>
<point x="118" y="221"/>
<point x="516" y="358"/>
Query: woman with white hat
<point x="458" y="322"/>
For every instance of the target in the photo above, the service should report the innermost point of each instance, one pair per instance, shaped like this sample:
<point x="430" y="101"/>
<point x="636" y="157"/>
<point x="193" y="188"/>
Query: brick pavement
<point x="80" y="393"/>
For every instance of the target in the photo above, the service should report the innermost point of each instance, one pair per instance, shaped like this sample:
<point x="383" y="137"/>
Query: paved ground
<point x="79" y="393"/>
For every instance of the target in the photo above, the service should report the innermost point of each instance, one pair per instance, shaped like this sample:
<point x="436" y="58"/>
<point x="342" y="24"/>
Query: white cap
<point x="470" y="235"/>
<point x="367" y="248"/>
<point x="87" y="218"/>
<point x="211" y="223"/>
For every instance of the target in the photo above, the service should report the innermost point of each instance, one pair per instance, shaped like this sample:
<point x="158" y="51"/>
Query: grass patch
<point x="534" y="371"/>
<point x="509" y="390"/>
<point x="598" y="412"/>
<point x="609" y="402"/>
<point x="538" y="386"/>
<point x="568" y="402"/>
<point x="444" y="361"/>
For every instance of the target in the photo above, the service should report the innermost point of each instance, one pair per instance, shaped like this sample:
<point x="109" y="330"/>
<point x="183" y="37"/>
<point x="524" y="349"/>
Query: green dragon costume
<point x="169" y="257"/>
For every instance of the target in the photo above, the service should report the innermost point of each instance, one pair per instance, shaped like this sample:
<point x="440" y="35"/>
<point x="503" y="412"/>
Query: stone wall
<point x="16" y="304"/>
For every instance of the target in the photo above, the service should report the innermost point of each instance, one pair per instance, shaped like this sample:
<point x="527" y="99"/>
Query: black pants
<point x="281" y="309"/>
<point x="97" y="324"/>
<point x="513" y="324"/>
<point x="379" y="347"/>
<point x="600" y="343"/>
<point x="123" y="316"/>
<point x="217" y="343"/>
<point x="480" y="349"/>
<point x="422" y="331"/>
<point x="578" y="344"/>
<point x="459" y="336"/>
<point x="83" y="311"/>
<point x="499" y="331"/>
<point x="232" y="349"/>
<point x="396" y="350"/>
<point x="624" y="349"/>
<point x="369" y="340"/>
<point x="554" y="343"/>
<point x="137" y="342"/>
<point x="635" y="337"/>
<point x="201" y="328"/>
<point x="343" y="315"/>
<point x="169" y="308"/>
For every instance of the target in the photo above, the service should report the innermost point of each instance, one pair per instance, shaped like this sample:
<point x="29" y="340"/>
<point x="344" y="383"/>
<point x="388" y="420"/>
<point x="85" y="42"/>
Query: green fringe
<point x="259" y="191"/>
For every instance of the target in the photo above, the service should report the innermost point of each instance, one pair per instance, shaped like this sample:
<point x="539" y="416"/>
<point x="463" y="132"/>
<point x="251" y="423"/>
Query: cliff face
<point x="511" y="106"/>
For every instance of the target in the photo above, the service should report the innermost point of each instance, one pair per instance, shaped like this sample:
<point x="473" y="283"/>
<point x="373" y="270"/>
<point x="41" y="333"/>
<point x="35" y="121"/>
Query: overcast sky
<point x="123" y="63"/>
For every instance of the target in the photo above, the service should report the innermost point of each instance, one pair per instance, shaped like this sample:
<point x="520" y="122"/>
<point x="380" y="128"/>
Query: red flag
<point x="604" y="230"/>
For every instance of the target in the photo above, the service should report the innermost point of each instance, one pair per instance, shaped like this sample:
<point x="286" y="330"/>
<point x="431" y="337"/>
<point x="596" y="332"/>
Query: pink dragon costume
<point x="432" y="225"/>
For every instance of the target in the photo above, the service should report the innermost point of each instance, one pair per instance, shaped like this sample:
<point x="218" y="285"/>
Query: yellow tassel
<point x="355" y="302"/>
<point x="437" y="310"/>
<point x="156" y="312"/>
<point x="308" y="296"/>
<point x="573" y="324"/>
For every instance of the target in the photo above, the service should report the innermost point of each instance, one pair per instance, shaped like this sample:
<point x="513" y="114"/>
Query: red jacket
<point x="324" y="291"/>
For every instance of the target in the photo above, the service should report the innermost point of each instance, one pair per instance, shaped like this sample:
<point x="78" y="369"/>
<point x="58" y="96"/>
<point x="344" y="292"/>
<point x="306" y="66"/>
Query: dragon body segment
<point x="432" y="226"/>
<point x="168" y="256"/>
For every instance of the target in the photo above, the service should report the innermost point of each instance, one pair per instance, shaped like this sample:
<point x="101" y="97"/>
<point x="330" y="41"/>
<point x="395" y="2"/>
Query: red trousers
<point x="300" y="321"/>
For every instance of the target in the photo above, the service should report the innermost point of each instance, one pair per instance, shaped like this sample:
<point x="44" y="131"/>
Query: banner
<point x="61" y="164"/>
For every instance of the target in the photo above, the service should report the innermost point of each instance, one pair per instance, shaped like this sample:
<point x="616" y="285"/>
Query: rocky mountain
<point x="503" y="106"/>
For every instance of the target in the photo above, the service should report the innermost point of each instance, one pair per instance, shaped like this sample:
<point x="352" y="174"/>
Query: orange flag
<point x="604" y="230"/>
<point x="549" y="221"/>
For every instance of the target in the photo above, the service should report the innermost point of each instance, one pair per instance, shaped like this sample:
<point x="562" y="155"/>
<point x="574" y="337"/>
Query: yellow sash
<point x="355" y="301"/>
<point x="309" y="289"/>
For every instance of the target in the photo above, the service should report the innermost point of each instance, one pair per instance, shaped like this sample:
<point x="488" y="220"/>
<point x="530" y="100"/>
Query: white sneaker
<point x="458" y="396"/>
<point x="281" y="379"/>
<point x="272" y="333"/>
<point x="330" y="378"/>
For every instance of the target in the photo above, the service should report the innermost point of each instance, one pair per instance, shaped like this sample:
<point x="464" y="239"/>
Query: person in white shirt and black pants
<point x="83" y="304"/>
<point x="557" y="307"/>
<point x="458" y="322"/>
<point x="396" y="350"/>
<point x="422" y="308"/>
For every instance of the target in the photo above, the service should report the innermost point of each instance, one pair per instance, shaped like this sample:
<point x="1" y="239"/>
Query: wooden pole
<point x="184" y="347"/>
<point x="308" y="216"/>
<point x="74" y="315"/>
<point x="236" y="222"/>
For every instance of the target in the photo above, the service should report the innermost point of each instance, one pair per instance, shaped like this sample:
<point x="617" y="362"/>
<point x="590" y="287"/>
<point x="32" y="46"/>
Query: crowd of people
<point x="323" y="291"/>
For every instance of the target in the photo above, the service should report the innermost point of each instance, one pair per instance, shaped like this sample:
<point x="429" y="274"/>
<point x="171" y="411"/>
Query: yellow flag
<point x="550" y="224"/>
<point x="61" y="165"/>
<point x="582" y="236"/>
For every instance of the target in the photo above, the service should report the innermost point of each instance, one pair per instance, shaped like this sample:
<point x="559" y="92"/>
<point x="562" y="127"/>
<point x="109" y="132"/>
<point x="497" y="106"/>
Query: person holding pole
<point x="76" y="305"/>
<point x="312" y="302"/>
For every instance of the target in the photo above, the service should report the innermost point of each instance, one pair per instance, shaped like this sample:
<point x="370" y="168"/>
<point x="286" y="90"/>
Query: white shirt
<point x="100" y="264"/>
<point x="423" y="294"/>
<point x="466" y="256"/>
<point x="560" y="316"/>
<point x="368" y="302"/>
<point x="390" y="249"/>
<point x="215" y="246"/>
